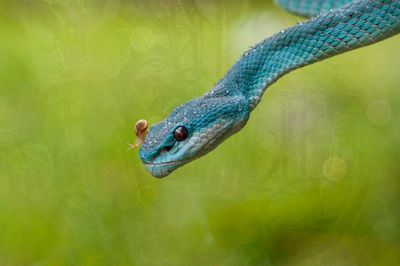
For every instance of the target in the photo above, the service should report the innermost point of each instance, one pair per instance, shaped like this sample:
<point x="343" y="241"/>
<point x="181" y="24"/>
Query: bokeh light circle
<point x="378" y="112"/>
<point x="334" y="168"/>
<point x="146" y="194"/>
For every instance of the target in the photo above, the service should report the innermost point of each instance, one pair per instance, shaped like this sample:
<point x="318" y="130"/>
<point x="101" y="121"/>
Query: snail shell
<point x="141" y="127"/>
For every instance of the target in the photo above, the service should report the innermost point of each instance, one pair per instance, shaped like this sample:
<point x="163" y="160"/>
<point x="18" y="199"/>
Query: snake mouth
<point x="163" y="169"/>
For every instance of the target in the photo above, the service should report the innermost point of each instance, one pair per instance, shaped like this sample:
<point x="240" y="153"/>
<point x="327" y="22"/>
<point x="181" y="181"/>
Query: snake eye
<point x="181" y="133"/>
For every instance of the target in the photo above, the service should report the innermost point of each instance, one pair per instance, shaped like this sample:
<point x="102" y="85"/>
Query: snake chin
<point x="164" y="163"/>
<point x="163" y="169"/>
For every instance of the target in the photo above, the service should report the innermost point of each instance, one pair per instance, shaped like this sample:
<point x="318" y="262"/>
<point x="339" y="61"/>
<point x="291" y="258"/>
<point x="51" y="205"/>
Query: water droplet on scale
<point x="282" y="31"/>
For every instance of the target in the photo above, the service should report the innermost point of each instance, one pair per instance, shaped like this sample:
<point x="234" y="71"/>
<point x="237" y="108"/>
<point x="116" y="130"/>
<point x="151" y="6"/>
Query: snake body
<point x="207" y="121"/>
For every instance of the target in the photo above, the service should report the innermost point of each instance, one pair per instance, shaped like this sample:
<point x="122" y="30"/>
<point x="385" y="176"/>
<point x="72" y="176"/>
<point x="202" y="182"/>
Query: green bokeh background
<point x="313" y="179"/>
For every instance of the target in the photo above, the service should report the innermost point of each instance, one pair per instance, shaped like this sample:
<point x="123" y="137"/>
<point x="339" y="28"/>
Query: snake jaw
<point x="163" y="165"/>
<point x="158" y="170"/>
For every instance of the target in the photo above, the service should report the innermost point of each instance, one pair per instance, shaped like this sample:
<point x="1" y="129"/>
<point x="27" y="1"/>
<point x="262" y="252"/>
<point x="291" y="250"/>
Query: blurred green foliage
<point x="313" y="179"/>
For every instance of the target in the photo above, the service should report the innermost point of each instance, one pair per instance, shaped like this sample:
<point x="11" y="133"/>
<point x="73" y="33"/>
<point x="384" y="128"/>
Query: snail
<point x="141" y="129"/>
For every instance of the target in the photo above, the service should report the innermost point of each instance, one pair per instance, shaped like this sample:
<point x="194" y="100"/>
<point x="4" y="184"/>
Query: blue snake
<point x="201" y="124"/>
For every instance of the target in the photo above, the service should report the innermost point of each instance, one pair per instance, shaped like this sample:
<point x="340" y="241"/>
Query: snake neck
<point x="354" y="25"/>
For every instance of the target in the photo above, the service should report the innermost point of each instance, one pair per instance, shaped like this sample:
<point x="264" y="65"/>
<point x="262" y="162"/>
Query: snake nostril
<point x="167" y="148"/>
<point x="154" y="157"/>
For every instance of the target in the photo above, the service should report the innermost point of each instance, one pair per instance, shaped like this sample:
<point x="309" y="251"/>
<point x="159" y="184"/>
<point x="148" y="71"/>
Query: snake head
<point x="192" y="130"/>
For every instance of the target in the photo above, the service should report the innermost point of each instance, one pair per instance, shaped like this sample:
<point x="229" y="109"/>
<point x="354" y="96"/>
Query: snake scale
<point x="201" y="124"/>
